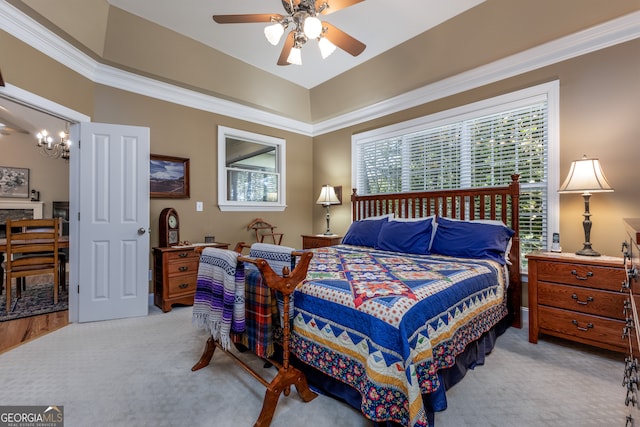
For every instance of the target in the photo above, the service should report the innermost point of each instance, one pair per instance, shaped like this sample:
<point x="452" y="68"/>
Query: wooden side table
<point x="175" y="272"/>
<point x="577" y="298"/>
<point x="310" y="241"/>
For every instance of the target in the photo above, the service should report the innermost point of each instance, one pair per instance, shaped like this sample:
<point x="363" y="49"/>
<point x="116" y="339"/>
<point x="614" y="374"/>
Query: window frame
<point x="549" y="92"/>
<point x="226" y="205"/>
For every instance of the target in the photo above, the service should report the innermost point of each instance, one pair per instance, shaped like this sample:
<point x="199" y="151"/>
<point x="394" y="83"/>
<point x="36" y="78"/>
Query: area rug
<point x="35" y="300"/>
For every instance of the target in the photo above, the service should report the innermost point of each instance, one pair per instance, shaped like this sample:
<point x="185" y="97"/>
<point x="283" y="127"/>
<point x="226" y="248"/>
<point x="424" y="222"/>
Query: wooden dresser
<point x="631" y="329"/>
<point x="578" y="298"/>
<point x="310" y="241"/>
<point x="175" y="271"/>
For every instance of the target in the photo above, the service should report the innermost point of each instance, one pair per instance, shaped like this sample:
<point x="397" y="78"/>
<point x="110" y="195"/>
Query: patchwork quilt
<point x="386" y="322"/>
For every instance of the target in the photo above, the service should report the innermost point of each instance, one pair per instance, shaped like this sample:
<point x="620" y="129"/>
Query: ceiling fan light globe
<point x="273" y="33"/>
<point x="326" y="47"/>
<point x="312" y="27"/>
<point x="295" y="56"/>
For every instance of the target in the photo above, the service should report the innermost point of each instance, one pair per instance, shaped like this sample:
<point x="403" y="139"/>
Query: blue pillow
<point x="364" y="232"/>
<point x="411" y="237"/>
<point x="471" y="240"/>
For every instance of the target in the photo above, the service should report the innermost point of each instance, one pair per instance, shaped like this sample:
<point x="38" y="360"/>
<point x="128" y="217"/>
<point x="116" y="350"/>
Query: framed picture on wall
<point x="169" y="177"/>
<point x="14" y="182"/>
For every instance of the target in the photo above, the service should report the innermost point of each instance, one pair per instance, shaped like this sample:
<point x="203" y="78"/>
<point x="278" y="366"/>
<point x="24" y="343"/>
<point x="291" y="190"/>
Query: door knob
<point x="141" y="230"/>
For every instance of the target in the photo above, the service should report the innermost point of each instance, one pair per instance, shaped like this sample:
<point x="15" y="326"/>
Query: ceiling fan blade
<point x="244" y="19"/>
<point x="335" y="5"/>
<point x="343" y="40"/>
<point x="286" y="49"/>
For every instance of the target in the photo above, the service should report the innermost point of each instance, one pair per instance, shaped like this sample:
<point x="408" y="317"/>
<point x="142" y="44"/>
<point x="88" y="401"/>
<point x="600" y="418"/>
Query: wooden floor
<point x="16" y="332"/>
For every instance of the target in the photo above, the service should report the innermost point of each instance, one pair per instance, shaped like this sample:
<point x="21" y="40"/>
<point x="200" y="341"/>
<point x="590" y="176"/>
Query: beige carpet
<point x="136" y="372"/>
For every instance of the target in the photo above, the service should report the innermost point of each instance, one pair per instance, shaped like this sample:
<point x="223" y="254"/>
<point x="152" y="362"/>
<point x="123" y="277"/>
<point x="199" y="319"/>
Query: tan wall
<point x="599" y="110"/>
<point x="143" y="46"/>
<point x="185" y="132"/>
<point x="490" y="31"/>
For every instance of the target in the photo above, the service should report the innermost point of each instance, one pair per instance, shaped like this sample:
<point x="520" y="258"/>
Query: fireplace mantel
<point x="19" y="209"/>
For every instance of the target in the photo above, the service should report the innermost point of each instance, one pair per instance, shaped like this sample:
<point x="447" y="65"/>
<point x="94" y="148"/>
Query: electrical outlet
<point x="199" y="207"/>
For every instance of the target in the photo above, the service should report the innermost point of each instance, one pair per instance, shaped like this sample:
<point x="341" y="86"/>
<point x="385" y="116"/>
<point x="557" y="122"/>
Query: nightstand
<point x="175" y="273"/>
<point x="577" y="298"/>
<point x="310" y="241"/>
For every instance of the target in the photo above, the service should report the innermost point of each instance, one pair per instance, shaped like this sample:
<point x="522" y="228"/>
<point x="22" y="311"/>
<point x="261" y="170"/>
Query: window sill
<point x="251" y="208"/>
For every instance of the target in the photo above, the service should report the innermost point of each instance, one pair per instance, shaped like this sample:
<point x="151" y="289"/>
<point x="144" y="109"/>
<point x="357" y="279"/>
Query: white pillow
<point x="373" y="218"/>
<point x="413" y="219"/>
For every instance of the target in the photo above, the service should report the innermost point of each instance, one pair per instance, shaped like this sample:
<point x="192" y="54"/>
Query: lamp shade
<point x="328" y="196"/>
<point x="273" y="33"/>
<point x="585" y="176"/>
<point x="295" y="56"/>
<point x="326" y="47"/>
<point x="312" y="27"/>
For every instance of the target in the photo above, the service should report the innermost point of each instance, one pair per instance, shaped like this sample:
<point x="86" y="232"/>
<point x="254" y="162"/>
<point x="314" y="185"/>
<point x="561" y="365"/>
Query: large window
<point x="251" y="171"/>
<point x="478" y="145"/>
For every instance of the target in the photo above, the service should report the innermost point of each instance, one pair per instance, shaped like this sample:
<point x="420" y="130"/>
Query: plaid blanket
<point x="263" y="305"/>
<point x="260" y="309"/>
<point x="219" y="302"/>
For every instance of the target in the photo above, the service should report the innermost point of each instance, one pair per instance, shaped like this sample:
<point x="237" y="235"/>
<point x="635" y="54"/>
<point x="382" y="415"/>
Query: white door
<point x="109" y="247"/>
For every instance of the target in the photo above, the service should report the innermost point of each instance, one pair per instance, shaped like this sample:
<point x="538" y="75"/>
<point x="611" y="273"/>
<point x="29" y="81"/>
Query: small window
<point x="251" y="172"/>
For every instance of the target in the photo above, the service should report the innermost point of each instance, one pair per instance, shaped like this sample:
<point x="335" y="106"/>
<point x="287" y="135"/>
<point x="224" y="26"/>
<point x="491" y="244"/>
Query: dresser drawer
<point x="186" y="266"/>
<point x="585" y="300"/>
<point x="183" y="254"/>
<point x="582" y="275"/>
<point x="182" y="284"/>
<point x="584" y="326"/>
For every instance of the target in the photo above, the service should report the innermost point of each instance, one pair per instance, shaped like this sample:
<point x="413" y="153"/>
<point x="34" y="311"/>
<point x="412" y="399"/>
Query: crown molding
<point x="23" y="27"/>
<point x="595" y="38"/>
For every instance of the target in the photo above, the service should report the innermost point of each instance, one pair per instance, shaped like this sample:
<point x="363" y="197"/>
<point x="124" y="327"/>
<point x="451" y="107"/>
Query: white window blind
<point x="478" y="148"/>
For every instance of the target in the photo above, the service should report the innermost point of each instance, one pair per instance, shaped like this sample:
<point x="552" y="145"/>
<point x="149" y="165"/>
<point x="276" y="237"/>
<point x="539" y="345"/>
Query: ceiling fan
<point x="302" y="18"/>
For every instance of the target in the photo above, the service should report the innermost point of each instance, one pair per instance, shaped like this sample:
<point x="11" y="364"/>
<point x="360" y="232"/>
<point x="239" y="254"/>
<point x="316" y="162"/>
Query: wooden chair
<point x="263" y="229"/>
<point x="32" y="250"/>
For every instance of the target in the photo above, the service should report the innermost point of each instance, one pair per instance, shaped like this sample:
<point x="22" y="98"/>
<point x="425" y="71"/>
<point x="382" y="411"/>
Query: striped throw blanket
<point x="219" y="302"/>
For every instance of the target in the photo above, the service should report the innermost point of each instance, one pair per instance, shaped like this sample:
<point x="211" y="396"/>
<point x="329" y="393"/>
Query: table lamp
<point x="327" y="198"/>
<point x="586" y="177"/>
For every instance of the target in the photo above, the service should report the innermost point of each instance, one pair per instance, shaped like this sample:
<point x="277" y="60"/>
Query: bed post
<point x="514" y="292"/>
<point x="354" y="204"/>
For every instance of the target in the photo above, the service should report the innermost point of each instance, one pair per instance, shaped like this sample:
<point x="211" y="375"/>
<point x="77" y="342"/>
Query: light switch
<point x="199" y="207"/>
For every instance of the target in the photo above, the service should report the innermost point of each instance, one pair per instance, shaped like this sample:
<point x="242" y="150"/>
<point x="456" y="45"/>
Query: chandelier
<point x="53" y="147"/>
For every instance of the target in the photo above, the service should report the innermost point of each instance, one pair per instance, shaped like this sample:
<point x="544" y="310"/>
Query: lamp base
<point x="587" y="251"/>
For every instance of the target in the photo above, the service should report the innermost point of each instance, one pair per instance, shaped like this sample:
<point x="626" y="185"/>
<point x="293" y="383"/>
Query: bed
<point x="416" y="294"/>
<point x="386" y="328"/>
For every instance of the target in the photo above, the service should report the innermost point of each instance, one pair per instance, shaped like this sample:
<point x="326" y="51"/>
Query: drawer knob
<point x="575" y="297"/>
<point x="575" y="273"/>
<point x="183" y="254"/>
<point x="183" y="268"/>
<point x="183" y="286"/>
<point x="582" y="328"/>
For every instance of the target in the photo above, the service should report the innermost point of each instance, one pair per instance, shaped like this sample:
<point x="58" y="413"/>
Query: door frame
<point x="47" y="106"/>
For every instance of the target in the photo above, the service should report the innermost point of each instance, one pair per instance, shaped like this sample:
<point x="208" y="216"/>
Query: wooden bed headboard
<point x="496" y="203"/>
